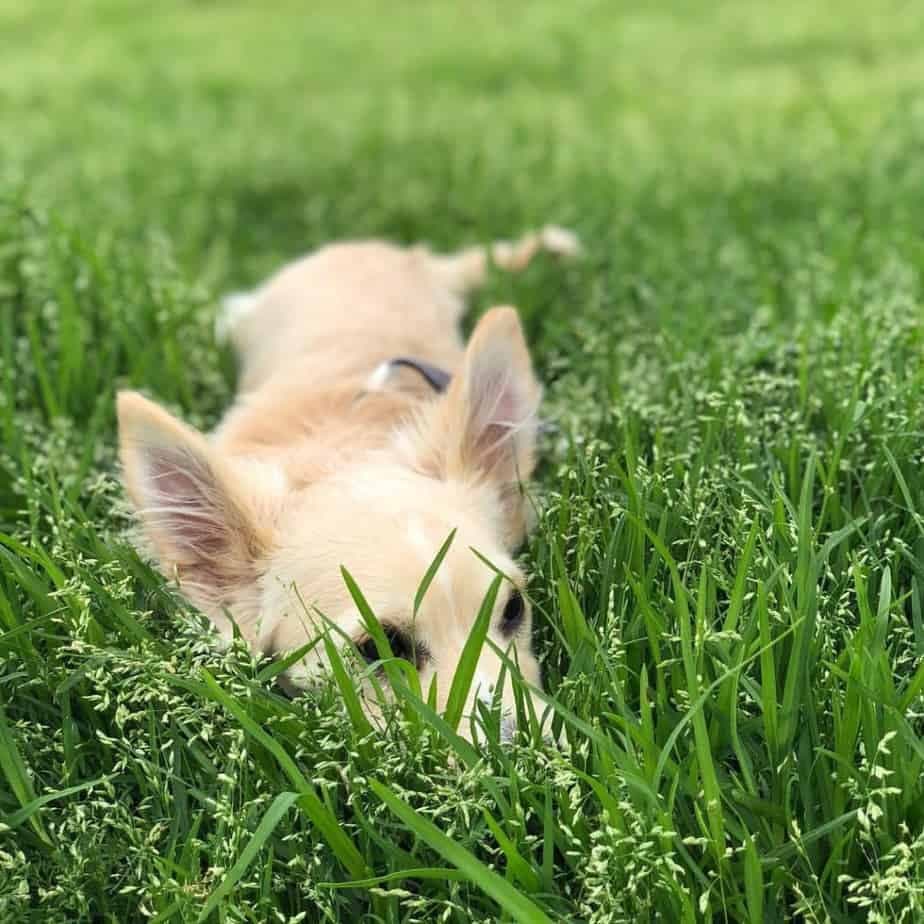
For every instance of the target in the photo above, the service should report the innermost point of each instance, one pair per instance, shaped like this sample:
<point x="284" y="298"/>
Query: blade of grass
<point x="468" y="660"/>
<point x="431" y="572"/>
<point x="345" y="685"/>
<point x="393" y="667"/>
<point x="769" y="704"/>
<point x="510" y="899"/>
<point x="441" y="873"/>
<point x="17" y="776"/>
<point x="737" y="597"/>
<point x="318" y="813"/>
<point x="274" y="814"/>
<point x="26" y="812"/>
<point x="517" y="866"/>
<point x="753" y="883"/>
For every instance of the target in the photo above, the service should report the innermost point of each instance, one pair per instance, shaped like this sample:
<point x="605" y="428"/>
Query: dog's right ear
<point x="484" y="429"/>
<point x="199" y="515"/>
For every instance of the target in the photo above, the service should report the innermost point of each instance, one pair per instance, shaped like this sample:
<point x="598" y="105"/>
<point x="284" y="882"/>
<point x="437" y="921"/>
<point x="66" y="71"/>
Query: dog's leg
<point x="467" y="269"/>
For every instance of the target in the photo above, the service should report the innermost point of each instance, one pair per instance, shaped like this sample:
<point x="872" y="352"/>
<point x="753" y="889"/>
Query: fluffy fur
<point x="328" y="457"/>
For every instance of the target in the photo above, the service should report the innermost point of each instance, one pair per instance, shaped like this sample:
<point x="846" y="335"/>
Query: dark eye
<point x="401" y="646"/>
<point x="512" y="617"/>
<point x="368" y="650"/>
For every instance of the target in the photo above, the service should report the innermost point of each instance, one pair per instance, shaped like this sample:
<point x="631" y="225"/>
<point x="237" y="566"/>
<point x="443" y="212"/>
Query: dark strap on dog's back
<point x="438" y="379"/>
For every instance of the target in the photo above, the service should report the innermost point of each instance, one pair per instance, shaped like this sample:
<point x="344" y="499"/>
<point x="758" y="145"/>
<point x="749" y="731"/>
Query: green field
<point x="729" y="560"/>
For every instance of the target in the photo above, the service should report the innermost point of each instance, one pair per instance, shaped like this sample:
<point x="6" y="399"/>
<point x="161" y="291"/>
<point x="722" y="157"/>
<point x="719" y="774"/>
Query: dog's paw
<point x="561" y="242"/>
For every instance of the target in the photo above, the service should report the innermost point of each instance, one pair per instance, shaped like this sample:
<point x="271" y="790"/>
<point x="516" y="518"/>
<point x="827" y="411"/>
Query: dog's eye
<point x="368" y="650"/>
<point x="512" y="618"/>
<point x="401" y="646"/>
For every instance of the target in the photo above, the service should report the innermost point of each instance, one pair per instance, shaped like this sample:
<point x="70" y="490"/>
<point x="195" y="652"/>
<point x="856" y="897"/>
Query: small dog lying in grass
<point x="362" y="434"/>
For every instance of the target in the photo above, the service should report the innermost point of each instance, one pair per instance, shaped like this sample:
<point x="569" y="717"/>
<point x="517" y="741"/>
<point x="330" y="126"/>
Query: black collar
<point x="438" y="379"/>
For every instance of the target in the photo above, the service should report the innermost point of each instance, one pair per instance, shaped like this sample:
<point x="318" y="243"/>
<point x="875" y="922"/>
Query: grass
<point x="729" y="563"/>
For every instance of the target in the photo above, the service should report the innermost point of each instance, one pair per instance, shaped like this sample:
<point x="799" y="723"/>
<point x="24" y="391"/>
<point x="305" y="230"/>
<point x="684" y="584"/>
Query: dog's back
<point x="310" y="339"/>
<point x="342" y="310"/>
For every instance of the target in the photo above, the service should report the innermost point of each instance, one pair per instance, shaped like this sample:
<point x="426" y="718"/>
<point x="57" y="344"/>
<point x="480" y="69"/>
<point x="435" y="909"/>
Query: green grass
<point x="729" y="563"/>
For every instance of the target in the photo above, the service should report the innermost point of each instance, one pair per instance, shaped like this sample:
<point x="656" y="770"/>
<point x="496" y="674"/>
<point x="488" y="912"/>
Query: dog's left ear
<point x="485" y="427"/>
<point x="207" y="523"/>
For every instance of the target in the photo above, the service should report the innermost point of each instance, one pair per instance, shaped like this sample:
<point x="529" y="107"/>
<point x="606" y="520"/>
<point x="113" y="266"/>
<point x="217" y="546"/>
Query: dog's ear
<point x="199" y="516"/>
<point x="485" y="427"/>
<point x="491" y="406"/>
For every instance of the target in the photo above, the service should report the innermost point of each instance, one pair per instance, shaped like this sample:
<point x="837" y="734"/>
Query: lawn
<point x="729" y="559"/>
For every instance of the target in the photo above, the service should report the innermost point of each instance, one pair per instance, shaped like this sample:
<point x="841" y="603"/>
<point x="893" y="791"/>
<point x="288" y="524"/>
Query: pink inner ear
<point x="498" y="411"/>
<point x="183" y="505"/>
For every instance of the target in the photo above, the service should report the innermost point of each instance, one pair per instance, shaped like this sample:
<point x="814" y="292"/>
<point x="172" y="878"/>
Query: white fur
<point x="234" y="307"/>
<point x="379" y="377"/>
<point x="425" y="546"/>
<point x="561" y="241"/>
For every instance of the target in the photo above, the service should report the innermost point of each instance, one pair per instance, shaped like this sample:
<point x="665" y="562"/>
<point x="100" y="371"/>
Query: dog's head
<point x="242" y="543"/>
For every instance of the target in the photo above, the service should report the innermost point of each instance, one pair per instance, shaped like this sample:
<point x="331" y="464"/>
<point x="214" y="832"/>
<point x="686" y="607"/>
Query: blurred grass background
<point x="245" y="133"/>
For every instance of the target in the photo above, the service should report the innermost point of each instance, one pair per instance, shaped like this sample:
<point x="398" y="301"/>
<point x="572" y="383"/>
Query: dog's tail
<point x="466" y="270"/>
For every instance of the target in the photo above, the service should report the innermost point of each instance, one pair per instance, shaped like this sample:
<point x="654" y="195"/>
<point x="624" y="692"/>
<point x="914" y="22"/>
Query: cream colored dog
<point x="334" y="454"/>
